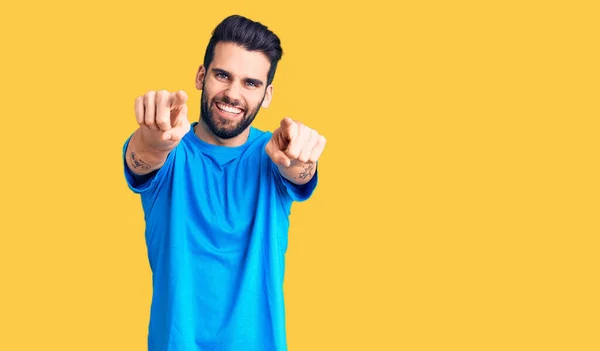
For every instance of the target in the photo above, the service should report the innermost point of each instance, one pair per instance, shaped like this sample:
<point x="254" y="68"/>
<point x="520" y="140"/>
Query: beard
<point x="222" y="128"/>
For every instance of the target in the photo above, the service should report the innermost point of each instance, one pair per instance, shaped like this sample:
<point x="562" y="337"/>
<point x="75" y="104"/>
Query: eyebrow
<point x="256" y="82"/>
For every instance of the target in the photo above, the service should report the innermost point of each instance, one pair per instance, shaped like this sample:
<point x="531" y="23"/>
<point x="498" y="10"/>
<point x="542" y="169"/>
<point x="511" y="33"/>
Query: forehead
<point x="240" y="62"/>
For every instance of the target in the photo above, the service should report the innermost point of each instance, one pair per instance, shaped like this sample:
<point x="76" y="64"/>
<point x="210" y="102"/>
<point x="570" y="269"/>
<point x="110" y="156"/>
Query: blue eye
<point x="251" y="84"/>
<point x="221" y="75"/>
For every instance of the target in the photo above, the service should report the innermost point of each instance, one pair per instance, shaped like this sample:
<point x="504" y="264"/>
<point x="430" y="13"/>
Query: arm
<point x="162" y="117"/>
<point x="143" y="158"/>
<point x="295" y="149"/>
<point x="298" y="172"/>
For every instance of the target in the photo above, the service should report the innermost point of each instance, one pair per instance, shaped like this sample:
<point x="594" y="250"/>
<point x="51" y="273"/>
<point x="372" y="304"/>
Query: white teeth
<point x="228" y="108"/>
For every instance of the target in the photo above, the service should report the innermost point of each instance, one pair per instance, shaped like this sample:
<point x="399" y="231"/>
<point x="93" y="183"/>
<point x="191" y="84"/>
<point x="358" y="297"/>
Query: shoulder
<point x="258" y="139"/>
<point x="257" y="134"/>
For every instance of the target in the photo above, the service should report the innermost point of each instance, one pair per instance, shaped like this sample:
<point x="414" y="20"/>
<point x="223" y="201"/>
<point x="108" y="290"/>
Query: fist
<point x="162" y="117"/>
<point x="293" y="141"/>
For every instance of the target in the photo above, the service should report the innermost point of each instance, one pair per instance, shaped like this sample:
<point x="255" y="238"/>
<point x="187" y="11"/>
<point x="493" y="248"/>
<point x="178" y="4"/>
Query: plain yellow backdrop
<point x="458" y="200"/>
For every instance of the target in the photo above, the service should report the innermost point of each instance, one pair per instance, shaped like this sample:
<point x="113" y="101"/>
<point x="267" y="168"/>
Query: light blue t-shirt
<point x="216" y="234"/>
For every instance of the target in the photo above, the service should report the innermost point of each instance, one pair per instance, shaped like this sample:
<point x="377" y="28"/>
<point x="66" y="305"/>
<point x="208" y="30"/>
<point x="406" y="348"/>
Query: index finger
<point x="178" y="99"/>
<point x="287" y="123"/>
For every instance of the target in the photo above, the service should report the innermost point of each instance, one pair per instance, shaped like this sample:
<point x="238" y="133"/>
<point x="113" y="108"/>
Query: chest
<point x="223" y="204"/>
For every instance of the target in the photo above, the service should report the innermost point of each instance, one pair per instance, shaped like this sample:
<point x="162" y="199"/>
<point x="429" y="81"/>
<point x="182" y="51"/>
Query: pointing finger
<point x="297" y="142"/>
<point x="178" y="99"/>
<point x="163" y="115"/>
<point x="289" y="128"/>
<point x="287" y="123"/>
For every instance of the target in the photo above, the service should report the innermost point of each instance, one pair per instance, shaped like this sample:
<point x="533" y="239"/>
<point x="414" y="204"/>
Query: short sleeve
<point x="140" y="184"/>
<point x="296" y="192"/>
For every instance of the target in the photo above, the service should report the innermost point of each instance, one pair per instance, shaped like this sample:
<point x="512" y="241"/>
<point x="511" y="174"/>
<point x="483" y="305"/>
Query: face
<point x="233" y="89"/>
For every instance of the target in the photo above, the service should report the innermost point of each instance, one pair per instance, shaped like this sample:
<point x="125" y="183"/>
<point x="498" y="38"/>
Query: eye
<point x="251" y="84"/>
<point x="221" y="76"/>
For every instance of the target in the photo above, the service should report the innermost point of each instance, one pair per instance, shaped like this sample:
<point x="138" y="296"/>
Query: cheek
<point x="211" y="97"/>
<point x="255" y="100"/>
<point x="212" y="89"/>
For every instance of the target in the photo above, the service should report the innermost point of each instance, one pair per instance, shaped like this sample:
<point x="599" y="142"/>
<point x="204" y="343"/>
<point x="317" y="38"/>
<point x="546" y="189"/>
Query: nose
<point x="233" y="93"/>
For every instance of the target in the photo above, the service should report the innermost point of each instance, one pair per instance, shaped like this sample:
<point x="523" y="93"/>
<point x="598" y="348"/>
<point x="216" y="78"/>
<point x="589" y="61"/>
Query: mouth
<point x="228" y="111"/>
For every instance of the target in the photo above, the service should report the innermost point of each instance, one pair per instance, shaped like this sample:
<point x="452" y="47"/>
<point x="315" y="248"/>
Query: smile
<point x="228" y="108"/>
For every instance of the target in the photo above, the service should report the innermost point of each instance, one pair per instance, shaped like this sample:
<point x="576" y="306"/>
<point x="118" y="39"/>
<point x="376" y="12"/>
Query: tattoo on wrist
<point x="308" y="170"/>
<point x="137" y="162"/>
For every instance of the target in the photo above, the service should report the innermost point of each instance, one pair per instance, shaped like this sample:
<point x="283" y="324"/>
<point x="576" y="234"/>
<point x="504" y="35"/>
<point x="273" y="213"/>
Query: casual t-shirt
<point x="216" y="234"/>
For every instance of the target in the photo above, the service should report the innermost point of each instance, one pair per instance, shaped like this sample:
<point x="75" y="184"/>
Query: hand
<point x="162" y="117"/>
<point x="293" y="141"/>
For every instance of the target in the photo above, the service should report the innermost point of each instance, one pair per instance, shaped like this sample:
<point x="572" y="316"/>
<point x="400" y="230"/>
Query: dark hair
<point x="251" y="35"/>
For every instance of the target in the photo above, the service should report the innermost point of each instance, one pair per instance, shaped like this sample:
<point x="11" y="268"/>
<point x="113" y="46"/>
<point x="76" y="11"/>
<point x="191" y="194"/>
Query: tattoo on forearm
<point x="138" y="163"/>
<point x="308" y="171"/>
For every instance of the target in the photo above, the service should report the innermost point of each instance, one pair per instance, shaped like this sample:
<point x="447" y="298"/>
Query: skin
<point x="235" y="81"/>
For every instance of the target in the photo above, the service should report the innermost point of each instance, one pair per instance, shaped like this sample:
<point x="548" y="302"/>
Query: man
<point x="217" y="200"/>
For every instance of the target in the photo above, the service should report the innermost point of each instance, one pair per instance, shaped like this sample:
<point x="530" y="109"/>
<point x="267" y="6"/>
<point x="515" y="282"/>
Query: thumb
<point x="280" y="158"/>
<point x="276" y="155"/>
<point x="178" y="131"/>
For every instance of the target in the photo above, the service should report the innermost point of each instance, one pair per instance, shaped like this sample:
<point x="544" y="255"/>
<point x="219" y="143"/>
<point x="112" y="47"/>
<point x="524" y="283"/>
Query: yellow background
<point x="458" y="200"/>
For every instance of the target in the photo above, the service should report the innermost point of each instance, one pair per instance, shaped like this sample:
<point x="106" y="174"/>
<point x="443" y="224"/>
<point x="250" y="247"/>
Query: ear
<point x="200" y="77"/>
<point x="268" y="96"/>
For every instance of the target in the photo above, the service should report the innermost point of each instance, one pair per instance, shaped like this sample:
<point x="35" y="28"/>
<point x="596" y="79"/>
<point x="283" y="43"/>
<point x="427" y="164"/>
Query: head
<point x="236" y="77"/>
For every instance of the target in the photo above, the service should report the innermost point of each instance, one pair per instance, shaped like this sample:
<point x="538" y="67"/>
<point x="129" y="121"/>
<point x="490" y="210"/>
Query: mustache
<point x="228" y="101"/>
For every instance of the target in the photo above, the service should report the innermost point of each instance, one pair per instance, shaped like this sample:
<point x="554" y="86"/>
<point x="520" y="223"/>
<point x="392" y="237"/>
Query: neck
<point x="203" y="132"/>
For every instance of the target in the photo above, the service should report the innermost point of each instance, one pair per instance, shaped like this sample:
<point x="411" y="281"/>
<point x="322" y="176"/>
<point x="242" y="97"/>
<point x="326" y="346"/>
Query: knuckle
<point x="161" y="95"/>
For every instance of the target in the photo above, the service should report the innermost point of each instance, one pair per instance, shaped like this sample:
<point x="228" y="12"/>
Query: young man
<point x="217" y="200"/>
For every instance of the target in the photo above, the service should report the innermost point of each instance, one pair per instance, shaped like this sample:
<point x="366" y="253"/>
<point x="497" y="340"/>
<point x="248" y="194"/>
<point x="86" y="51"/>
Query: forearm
<point x="143" y="158"/>
<point x="298" y="172"/>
